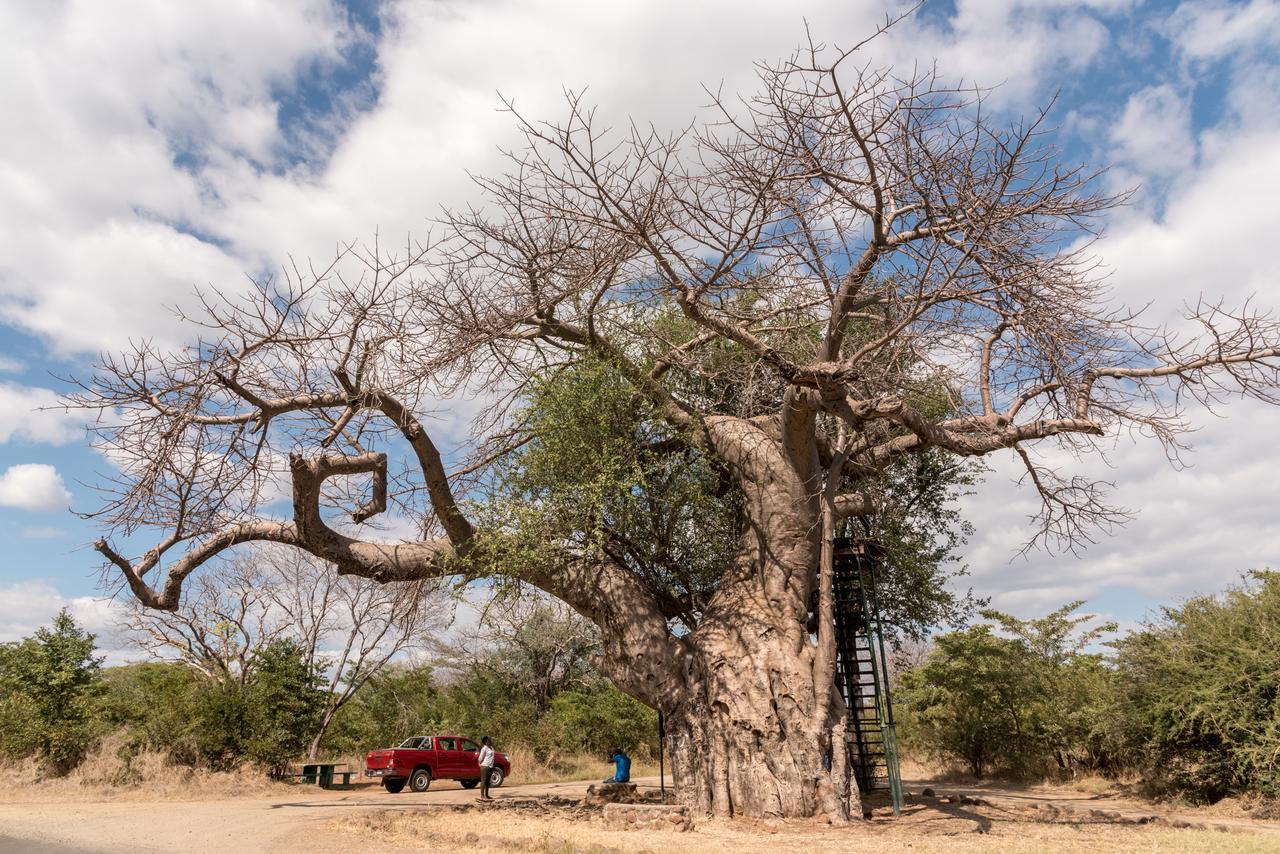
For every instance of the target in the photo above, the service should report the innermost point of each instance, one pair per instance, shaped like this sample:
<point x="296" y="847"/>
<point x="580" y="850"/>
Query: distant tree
<point x="51" y="682"/>
<point x="400" y="700"/>
<point x="348" y="627"/>
<point x="1198" y="693"/>
<point x="534" y="646"/>
<point x="1023" y="703"/>
<point x="970" y="701"/>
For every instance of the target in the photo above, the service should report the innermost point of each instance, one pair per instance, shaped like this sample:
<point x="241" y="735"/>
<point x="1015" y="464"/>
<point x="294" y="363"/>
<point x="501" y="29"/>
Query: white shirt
<point x="486" y="756"/>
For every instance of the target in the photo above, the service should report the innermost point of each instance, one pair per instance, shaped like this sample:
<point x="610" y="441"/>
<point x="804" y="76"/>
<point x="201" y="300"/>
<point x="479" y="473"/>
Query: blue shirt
<point x="622" y="768"/>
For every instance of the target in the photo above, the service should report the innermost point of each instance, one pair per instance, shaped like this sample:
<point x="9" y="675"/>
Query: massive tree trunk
<point x="753" y="727"/>
<point x="745" y="736"/>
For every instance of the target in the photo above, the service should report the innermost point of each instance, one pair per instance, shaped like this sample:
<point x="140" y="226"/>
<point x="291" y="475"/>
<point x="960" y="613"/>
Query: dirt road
<point x="304" y="818"/>
<point x="292" y="822"/>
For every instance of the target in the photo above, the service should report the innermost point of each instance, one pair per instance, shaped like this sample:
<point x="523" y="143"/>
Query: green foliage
<point x="399" y="701"/>
<point x="1197" y="700"/>
<point x="1020" y="704"/>
<point x="154" y="704"/>
<point x="922" y="533"/>
<point x="602" y="472"/>
<point x="51" y="685"/>
<point x="598" y="720"/>
<point x="283" y="705"/>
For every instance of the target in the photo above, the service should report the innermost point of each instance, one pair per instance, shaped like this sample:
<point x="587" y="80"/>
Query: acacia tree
<point x="879" y="269"/>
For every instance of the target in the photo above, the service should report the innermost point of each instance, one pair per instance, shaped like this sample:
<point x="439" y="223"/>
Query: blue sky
<point x="157" y="147"/>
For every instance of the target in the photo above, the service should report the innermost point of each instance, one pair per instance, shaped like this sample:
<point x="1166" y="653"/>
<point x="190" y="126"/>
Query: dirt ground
<point x="547" y="817"/>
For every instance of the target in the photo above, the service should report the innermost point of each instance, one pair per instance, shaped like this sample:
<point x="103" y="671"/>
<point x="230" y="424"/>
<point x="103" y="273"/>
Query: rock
<point x="620" y="816"/>
<point x="611" y="793"/>
<point x="472" y="838"/>
<point x="928" y="793"/>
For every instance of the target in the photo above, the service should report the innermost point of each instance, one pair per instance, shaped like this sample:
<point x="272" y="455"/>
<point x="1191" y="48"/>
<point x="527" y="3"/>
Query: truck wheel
<point x="496" y="780"/>
<point x="421" y="780"/>
<point x="393" y="784"/>
<point x="469" y="784"/>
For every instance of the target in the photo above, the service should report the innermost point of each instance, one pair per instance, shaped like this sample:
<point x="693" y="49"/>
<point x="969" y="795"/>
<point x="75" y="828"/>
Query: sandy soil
<point x="533" y="818"/>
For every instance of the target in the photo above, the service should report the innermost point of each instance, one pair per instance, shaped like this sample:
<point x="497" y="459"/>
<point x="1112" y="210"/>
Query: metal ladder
<point x="861" y="669"/>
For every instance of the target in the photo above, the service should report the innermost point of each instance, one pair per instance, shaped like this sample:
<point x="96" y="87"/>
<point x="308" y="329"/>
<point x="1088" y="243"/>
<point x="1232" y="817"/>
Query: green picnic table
<point x="323" y="774"/>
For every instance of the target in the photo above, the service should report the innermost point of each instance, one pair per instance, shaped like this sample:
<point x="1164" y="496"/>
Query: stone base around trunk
<point x="611" y="793"/>
<point x="620" y="816"/>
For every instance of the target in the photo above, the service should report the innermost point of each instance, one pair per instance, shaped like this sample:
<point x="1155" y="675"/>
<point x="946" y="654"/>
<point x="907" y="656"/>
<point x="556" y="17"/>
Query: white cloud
<point x="24" y="415"/>
<point x="99" y="196"/>
<point x="1216" y="234"/>
<point x="1154" y="131"/>
<point x="33" y="486"/>
<point x="1215" y="29"/>
<point x="29" y="605"/>
<point x="1195" y="531"/>
<point x="91" y="183"/>
<point x="42" y="532"/>
<point x="1015" y="44"/>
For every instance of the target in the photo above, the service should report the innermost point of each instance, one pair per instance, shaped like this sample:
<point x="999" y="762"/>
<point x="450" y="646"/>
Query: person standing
<point x="486" y="767"/>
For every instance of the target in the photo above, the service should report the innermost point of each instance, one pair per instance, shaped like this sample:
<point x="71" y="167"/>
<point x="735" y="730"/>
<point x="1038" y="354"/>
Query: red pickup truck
<point x="424" y="758"/>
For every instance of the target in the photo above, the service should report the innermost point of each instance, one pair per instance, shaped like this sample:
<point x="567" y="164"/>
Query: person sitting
<point x="621" y="765"/>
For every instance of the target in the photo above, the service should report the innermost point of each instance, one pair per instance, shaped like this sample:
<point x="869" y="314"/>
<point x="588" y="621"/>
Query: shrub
<point x="1197" y="699"/>
<point x="49" y="685"/>
<point x="1027" y="702"/>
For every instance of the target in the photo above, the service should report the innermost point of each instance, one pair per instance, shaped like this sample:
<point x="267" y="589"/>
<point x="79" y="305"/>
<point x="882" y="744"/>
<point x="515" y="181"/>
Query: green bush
<point x="282" y="705"/>
<point x="1026" y="703"/>
<point x="49" y="688"/>
<point x="1197" y="693"/>
<point x="596" y="721"/>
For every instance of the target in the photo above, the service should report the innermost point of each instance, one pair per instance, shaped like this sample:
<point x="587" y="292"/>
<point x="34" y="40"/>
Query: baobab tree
<point x="818" y="285"/>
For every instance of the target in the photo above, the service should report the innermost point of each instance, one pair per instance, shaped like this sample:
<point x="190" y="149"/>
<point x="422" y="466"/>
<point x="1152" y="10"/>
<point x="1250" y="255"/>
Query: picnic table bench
<point x="323" y="774"/>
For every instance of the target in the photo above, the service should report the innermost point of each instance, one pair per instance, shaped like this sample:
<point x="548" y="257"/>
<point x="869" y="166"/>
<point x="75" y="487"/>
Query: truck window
<point x="469" y="745"/>
<point x="445" y="744"/>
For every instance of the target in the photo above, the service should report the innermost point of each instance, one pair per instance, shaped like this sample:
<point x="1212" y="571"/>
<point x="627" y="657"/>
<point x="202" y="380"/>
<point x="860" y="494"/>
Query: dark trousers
<point x="485" y="775"/>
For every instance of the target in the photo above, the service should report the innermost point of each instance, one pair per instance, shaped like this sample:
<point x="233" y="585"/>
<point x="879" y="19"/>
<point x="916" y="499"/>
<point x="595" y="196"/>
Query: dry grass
<point x="527" y="768"/>
<point x="111" y="772"/>
<point x="481" y="829"/>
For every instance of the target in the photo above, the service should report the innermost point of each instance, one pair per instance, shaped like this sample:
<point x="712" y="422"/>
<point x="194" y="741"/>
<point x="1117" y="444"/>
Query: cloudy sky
<point x="153" y="147"/>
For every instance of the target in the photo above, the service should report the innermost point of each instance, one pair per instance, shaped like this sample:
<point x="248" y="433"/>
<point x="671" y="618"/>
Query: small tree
<point x="971" y="701"/>
<point x="52" y="681"/>
<point x="1023" y="703"/>
<point x="285" y="704"/>
<point x="1198" y="692"/>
